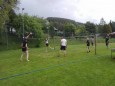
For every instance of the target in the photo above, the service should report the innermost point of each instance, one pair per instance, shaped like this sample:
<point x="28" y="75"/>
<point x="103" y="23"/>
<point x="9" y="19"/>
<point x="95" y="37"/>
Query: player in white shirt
<point x="63" y="45"/>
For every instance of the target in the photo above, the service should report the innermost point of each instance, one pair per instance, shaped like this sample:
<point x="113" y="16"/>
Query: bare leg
<point x="21" y="56"/>
<point x="64" y="52"/>
<point x="59" y="53"/>
<point x="88" y="50"/>
<point x="27" y="55"/>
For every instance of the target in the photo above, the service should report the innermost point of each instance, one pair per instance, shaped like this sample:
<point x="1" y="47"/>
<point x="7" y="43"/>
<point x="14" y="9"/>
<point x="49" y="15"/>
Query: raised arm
<point x="28" y="35"/>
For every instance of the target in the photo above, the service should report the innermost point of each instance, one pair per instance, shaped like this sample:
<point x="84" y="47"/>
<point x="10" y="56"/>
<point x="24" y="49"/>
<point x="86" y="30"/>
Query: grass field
<point x="78" y="68"/>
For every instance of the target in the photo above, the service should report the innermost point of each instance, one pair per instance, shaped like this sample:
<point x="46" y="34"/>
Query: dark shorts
<point x="47" y="44"/>
<point x="63" y="48"/>
<point x="107" y="43"/>
<point x="24" y="49"/>
<point x="88" y="44"/>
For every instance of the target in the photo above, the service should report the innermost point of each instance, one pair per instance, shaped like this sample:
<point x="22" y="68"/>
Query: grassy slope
<point x="78" y="68"/>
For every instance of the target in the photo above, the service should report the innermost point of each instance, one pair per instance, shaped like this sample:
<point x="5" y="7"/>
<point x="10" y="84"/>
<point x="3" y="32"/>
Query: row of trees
<point x="32" y="24"/>
<point x="6" y="6"/>
<point x="70" y="28"/>
<point x="12" y="24"/>
<point x="57" y="27"/>
<point x="6" y="9"/>
<point x="38" y="26"/>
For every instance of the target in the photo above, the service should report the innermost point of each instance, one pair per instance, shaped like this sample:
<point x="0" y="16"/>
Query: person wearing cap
<point x="25" y="48"/>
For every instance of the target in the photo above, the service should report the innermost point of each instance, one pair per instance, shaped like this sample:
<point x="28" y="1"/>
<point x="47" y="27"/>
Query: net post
<point x="95" y="44"/>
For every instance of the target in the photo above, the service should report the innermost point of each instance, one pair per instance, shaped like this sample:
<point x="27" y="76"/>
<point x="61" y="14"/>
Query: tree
<point x="112" y="24"/>
<point x="5" y="7"/>
<point x="69" y="29"/>
<point x="51" y="30"/>
<point x="10" y="23"/>
<point x="31" y="24"/>
<point x="104" y="28"/>
<point x="81" y="30"/>
<point x="102" y="21"/>
<point x="90" y="27"/>
<point x="107" y="28"/>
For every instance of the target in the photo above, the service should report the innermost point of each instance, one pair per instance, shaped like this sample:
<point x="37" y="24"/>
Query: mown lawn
<point x="78" y="68"/>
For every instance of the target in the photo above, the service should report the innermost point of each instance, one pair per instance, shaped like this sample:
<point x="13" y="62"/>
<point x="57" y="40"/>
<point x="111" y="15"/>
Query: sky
<point x="78" y="10"/>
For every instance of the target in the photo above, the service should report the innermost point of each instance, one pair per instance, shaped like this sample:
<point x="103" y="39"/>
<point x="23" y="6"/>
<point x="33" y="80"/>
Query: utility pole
<point x="47" y="24"/>
<point x="23" y="20"/>
<point x="95" y="45"/>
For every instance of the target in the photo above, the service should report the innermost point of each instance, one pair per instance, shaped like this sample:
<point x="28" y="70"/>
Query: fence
<point x="12" y="42"/>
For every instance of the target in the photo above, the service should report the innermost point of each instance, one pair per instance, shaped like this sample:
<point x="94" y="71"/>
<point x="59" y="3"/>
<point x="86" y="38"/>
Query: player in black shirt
<point x="107" y="40"/>
<point x="88" y="45"/>
<point x="25" y="47"/>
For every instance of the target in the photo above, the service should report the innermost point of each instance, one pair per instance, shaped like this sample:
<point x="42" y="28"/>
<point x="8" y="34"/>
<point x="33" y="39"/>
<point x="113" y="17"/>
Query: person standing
<point x="63" y="45"/>
<point x="88" y="45"/>
<point x="47" y="45"/>
<point x="92" y="41"/>
<point x="25" y="48"/>
<point x="107" y="40"/>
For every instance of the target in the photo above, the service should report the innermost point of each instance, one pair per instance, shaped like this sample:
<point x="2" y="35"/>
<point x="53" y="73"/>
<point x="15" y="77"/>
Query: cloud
<point x="78" y="10"/>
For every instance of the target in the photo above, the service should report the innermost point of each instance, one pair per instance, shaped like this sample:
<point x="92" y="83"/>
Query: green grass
<point x="78" y="68"/>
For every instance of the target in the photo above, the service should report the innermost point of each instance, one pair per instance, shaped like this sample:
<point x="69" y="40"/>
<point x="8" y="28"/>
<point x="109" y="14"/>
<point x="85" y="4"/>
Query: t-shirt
<point x="46" y="41"/>
<point x="106" y="39"/>
<point x="24" y="43"/>
<point x="88" y="43"/>
<point x="63" y="42"/>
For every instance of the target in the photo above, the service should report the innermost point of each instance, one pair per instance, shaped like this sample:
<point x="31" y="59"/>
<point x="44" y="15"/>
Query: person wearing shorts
<point x="88" y="45"/>
<point x="107" y="40"/>
<point x="63" y="45"/>
<point x="47" y="45"/>
<point x="46" y="42"/>
<point x="92" y="41"/>
<point x="25" y="48"/>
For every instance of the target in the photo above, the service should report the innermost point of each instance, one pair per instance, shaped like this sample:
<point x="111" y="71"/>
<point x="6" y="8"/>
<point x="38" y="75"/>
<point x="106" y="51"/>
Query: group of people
<point x="25" y="46"/>
<point x="92" y="42"/>
<point x="63" y="45"/>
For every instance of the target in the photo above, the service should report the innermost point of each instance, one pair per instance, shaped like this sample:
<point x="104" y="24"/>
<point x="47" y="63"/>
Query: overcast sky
<point x="78" y="10"/>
